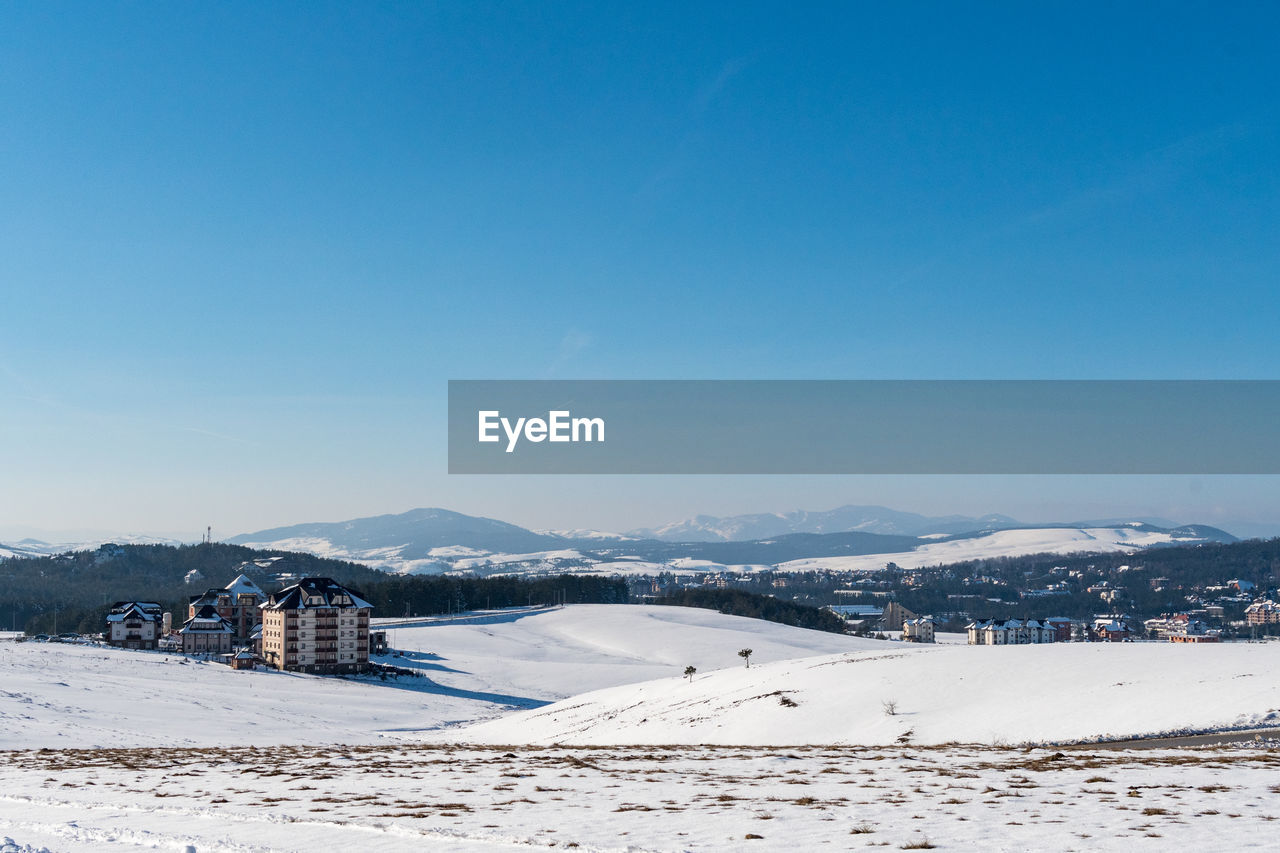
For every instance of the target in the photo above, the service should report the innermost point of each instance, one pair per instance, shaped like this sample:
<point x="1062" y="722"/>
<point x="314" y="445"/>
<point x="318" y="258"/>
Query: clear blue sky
<point x="244" y="245"/>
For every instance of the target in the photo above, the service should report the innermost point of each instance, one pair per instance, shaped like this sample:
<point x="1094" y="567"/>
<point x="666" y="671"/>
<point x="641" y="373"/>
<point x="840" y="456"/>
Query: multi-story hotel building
<point x="316" y="625"/>
<point x="206" y="633"/>
<point x="237" y="603"/>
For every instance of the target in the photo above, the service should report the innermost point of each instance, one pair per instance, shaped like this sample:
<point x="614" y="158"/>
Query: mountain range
<point x="852" y="518"/>
<point x="858" y="518"/>
<point x="31" y="547"/>
<point x="434" y="540"/>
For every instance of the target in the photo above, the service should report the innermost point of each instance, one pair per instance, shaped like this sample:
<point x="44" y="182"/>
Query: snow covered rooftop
<point x="145" y="611"/>
<point x="243" y="586"/>
<point x="315" y="592"/>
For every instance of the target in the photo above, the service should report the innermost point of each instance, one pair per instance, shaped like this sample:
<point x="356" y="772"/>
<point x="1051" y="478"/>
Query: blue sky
<point x="243" y="246"/>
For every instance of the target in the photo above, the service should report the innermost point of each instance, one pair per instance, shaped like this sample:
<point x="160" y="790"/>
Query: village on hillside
<point x="1236" y="609"/>
<point x="1102" y="628"/>
<point x="314" y="625"/>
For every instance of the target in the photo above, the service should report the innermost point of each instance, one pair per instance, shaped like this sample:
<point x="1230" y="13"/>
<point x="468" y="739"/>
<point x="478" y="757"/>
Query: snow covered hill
<point x="414" y="535"/>
<point x="60" y="695"/>
<point x="39" y="548"/>
<point x="552" y="654"/>
<point x="1008" y="543"/>
<point x="925" y="695"/>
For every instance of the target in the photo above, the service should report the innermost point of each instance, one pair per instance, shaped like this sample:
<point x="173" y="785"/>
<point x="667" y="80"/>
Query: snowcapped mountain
<point x="39" y="548"/>
<point x="25" y="548"/>
<point x="852" y="518"/>
<point x="587" y="533"/>
<point x="435" y="540"/>
<point x="419" y="540"/>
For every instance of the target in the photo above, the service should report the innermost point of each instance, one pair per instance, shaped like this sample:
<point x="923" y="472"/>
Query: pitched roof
<point x="133" y="610"/>
<point x="315" y="592"/>
<point x="141" y="605"/>
<point x="243" y="586"/>
<point x="207" y="621"/>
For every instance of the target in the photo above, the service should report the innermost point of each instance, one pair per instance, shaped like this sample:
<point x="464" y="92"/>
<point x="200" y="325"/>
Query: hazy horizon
<point x="1197" y="505"/>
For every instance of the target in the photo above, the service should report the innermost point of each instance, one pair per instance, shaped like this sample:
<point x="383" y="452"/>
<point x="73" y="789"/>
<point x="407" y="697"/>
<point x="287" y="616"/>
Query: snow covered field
<point x="397" y="798"/>
<point x="108" y="750"/>
<point x="61" y="695"/>
<point x="613" y="673"/>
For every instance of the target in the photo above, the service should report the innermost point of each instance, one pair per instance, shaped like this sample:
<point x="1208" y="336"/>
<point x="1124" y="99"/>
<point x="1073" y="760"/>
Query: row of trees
<point x="425" y="595"/>
<point x="740" y="603"/>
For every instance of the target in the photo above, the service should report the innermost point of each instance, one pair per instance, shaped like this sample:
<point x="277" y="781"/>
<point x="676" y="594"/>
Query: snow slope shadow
<point x="484" y="617"/>
<point x="419" y="660"/>
<point x="424" y="684"/>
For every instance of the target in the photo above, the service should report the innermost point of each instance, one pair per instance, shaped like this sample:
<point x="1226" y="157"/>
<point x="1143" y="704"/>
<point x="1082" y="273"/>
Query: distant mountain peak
<point x="411" y="535"/>
<point x="845" y="519"/>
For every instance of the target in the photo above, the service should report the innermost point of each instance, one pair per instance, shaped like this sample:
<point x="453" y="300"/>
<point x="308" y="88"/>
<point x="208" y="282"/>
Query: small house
<point x="1110" y="629"/>
<point x="134" y="624"/>
<point x="918" y="630"/>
